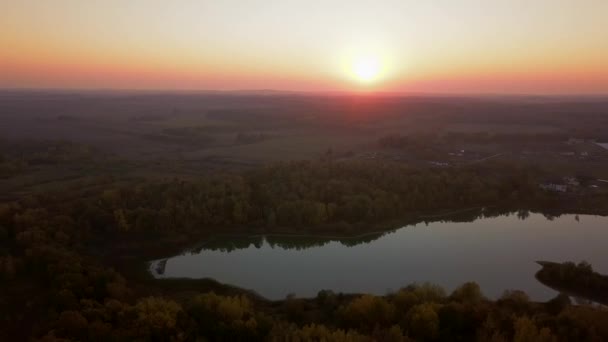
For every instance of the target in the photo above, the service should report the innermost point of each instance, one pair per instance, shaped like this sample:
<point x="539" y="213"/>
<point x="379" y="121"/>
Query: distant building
<point x="564" y="184"/>
<point x="578" y="141"/>
<point x="554" y="187"/>
<point x="572" y="181"/>
<point x="441" y="164"/>
<point x="575" y="141"/>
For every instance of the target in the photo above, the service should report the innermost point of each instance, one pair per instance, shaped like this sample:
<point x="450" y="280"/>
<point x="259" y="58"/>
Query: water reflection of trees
<point x="229" y="243"/>
<point x="301" y="242"/>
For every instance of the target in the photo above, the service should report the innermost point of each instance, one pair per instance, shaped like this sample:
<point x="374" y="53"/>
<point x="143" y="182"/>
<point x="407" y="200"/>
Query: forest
<point x="93" y="186"/>
<point x="310" y="195"/>
<point x="65" y="291"/>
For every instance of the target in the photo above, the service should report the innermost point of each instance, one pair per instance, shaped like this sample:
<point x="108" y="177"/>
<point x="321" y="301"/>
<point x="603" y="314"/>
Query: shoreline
<point x="137" y="266"/>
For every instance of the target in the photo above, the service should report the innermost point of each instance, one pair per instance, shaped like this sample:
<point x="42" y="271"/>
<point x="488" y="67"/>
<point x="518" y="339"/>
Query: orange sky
<point x="467" y="46"/>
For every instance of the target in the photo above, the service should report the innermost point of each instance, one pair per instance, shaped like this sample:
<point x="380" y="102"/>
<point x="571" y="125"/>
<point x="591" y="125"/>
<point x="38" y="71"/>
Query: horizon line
<point x="271" y="92"/>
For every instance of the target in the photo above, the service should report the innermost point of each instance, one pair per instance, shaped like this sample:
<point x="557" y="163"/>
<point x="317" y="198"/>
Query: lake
<point x="497" y="252"/>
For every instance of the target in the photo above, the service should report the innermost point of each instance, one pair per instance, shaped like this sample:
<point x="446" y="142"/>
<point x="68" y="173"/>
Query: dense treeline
<point x="423" y="141"/>
<point x="231" y="242"/>
<point x="54" y="288"/>
<point x="311" y="194"/>
<point x="292" y="196"/>
<point x="487" y="137"/>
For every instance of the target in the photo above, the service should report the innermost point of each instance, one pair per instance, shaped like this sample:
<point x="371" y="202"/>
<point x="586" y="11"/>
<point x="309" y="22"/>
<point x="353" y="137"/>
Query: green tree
<point x="157" y="318"/>
<point x="367" y="311"/>
<point x="526" y="331"/>
<point x="422" y="321"/>
<point x="469" y="292"/>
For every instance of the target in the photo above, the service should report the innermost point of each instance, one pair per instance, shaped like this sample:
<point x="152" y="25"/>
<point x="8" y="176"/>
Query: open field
<point x="142" y="134"/>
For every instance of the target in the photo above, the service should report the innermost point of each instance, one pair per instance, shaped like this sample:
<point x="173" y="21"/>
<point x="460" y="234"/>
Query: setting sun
<point x="366" y="69"/>
<point x="460" y="46"/>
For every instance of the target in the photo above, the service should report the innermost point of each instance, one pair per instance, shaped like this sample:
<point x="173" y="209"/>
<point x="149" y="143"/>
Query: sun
<point x="366" y="69"/>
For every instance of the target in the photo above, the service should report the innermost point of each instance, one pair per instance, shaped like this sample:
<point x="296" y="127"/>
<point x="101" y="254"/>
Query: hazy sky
<point x="521" y="46"/>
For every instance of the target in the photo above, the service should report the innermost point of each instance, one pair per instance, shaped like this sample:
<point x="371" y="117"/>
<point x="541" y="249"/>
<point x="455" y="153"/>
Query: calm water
<point x="499" y="253"/>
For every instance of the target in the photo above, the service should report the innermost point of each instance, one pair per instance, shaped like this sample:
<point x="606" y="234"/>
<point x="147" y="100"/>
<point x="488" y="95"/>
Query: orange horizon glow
<point x="466" y="46"/>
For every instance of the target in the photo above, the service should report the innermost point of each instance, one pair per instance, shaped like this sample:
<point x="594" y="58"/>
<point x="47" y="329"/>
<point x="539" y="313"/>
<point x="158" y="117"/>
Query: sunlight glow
<point x="381" y="45"/>
<point x="366" y="69"/>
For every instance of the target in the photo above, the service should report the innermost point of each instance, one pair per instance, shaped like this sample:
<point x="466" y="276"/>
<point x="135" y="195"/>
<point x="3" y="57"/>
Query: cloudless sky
<point x="460" y="46"/>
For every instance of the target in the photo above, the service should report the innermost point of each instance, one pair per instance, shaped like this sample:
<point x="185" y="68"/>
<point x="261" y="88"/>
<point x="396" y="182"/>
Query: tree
<point x="225" y="318"/>
<point x="72" y="324"/>
<point x="518" y="301"/>
<point x="8" y="267"/>
<point x="469" y="292"/>
<point x="526" y="331"/>
<point x="559" y="303"/>
<point x="121" y="220"/>
<point x="315" y="333"/>
<point x="157" y="317"/>
<point x="422" y="321"/>
<point x="366" y="311"/>
<point x="490" y="331"/>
